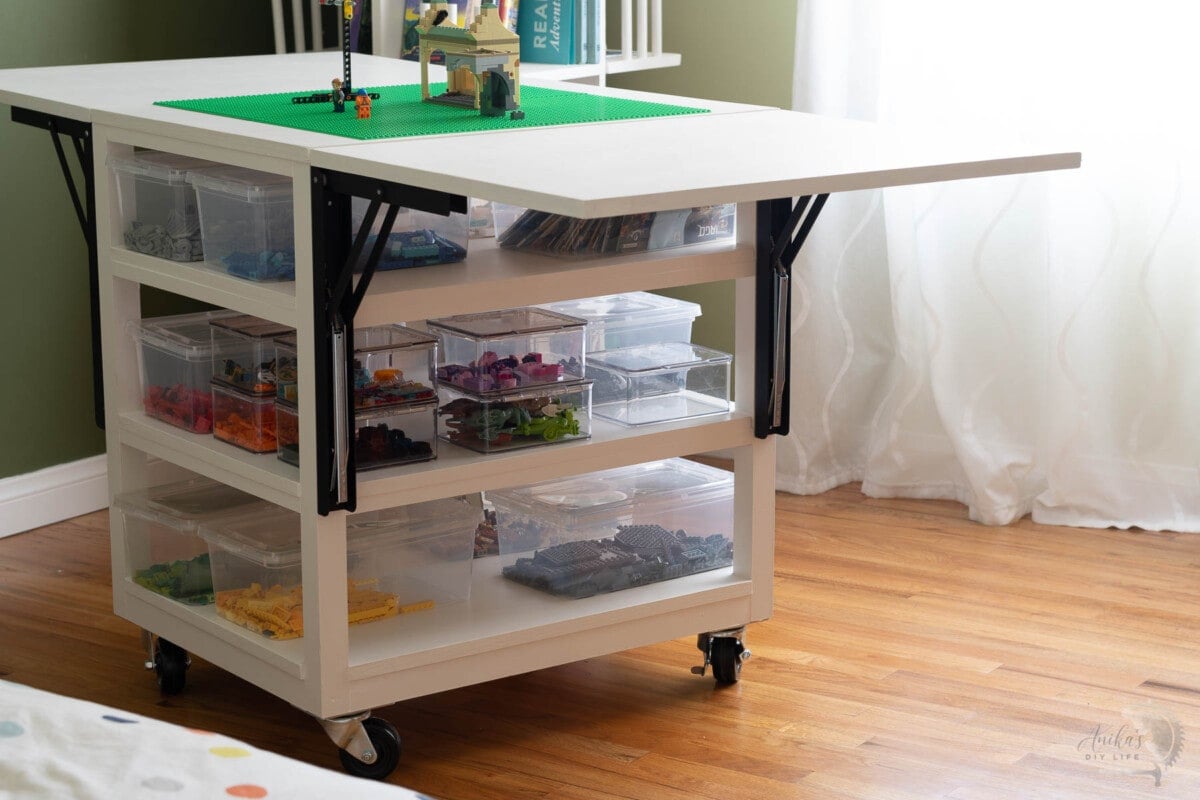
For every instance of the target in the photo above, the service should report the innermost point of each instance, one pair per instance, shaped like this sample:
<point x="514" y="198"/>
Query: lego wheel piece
<point x="727" y="659"/>
<point x="170" y="667"/>
<point x="385" y="739"/>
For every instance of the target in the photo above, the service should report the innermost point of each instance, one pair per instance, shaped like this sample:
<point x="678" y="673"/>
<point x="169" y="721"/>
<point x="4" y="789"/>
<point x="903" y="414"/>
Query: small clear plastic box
<point x="383" y="437"/>
<point x="653" y="383"/>
<point x="256" y="567"/>
<point x="617" y="529"/>
<point x="287" y="364"/>
<point x="539" y="415"/>
<point x="675" y="493"/>
<point x="425" y="549"/>
<point x="246" y="222"/>
<point x="243" y="352"/>
<point x="418" y="238"/>
<point x="393" y="365"/>
<point x="632" y="318"/>
<point x="509" y="349"/>
<point x="157" y="207"/>
<point x="287" y="432"/>
<point x="163" y="549"/>
<point x="244" y="420"/>
<point x="395" y="435"/>
<point x="174" y="368"/>
<point x="540" y="232"/>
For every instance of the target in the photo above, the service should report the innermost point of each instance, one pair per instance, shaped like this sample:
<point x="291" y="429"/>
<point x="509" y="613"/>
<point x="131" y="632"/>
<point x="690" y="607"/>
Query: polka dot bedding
<point x="53" y="746"/>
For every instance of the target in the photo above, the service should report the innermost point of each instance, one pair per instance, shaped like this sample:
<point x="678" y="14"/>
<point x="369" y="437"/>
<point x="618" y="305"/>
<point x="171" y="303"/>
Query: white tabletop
<point x="682" y="162"/>
<point x="734" y="153"/>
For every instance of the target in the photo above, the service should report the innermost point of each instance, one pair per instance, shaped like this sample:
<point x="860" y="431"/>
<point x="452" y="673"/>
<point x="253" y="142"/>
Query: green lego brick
<point x="400" y="112"/>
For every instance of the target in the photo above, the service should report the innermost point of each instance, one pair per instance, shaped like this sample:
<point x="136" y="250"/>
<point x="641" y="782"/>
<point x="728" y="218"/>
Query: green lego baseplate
<point x="399" y="111"/>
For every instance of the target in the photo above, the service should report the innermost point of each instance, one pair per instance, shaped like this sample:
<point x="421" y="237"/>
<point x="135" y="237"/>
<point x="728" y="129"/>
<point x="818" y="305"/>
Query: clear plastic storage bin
<point x="659" y="382"/>
<point x="246" y="222"/>
<point x="163" y="548"/>
<point x="616" y="529"/>
<point x="509" y="420"/>
<point x="633" y="318"/>
<point x="675" y="493"/>
<point x="393" y="365"/>
<point x="509" y="349"/>
<point x="424" y="549"/>
<point x="418" y="238"/>
<point x="257" y="580"/>
<point x="396" y="435"/>
<point x="287" y="432"/>
<point x="245" y="420"/>
<point x="287" y="367"/>
<point x="243" y="352"/>
<point x="174" y="368"/>
<point x="156" y="204"/>
<point x="570" y="237"/>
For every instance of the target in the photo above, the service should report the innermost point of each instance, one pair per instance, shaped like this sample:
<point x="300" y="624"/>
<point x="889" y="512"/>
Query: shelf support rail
<point x="782" y="228"/>
<point x="337" y="257"/>
<point x="85" y="211"/>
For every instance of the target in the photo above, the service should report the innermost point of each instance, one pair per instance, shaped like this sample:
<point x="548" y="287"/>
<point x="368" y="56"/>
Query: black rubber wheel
<point x="386" y="741"/>
<point x="170" y="667"/>
<point x="726" y="659"/>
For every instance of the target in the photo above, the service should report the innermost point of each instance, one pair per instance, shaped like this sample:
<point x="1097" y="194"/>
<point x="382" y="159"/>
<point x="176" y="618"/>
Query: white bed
<point x="58" y="747"/>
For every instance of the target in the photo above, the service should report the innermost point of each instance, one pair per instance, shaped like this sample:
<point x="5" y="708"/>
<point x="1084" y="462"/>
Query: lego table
<point x="778" y="166"/>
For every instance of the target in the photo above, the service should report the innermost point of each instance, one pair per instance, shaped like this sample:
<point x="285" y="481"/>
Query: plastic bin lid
<point x="287" y="340"/>
<point x="644" y="486"/>
<point x="660" y="357"/>
<point x="415" y="522"/>
<point x="183" y="506"/>
<point x="372" y="413"/>
<point x="270" y="538"/>
<point x="391" y="337"/>
<point x="506" y="323"/>
<point x="242" y="183"/>
<point x="628" y="310"/>
<point x="528" y="392"/>
<point x="252" y="327"/>
<point x="184" y="335"/>
<point x="167" y="167"/>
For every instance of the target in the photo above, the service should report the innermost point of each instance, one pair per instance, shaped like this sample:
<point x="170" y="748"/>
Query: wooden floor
<point x="912" y="655"/>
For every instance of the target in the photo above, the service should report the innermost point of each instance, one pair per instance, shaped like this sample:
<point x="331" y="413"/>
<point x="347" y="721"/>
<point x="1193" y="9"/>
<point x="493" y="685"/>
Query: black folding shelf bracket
<point x="782" y="227"/>
<point x="85" y="209"/>
<point x="337" y="257"/>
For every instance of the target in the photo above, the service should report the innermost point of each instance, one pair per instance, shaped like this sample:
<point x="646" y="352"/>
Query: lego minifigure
<point x="339" y="96"/>
<point x="362" y="104"/>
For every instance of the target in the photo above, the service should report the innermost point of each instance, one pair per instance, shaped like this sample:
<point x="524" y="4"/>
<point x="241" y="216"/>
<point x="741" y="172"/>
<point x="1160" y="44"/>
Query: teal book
<point x="547" y="31"/>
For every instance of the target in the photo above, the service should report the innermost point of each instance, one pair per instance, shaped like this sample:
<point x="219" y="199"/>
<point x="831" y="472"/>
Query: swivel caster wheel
<point x="726" y="659"/>
<point x="170" y="667"/>
<point x="725" y="652"/>
<point x="384" y="751"/>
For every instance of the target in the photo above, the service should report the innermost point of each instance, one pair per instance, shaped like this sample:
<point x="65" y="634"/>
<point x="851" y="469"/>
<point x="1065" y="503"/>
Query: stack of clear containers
<point x="243" y="381"/>
<point x="512" y="378"/>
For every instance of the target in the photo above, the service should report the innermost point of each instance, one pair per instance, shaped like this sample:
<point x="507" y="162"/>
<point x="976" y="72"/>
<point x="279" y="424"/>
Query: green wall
<point x="46" y="413"/>
<point x="725" y="57"/>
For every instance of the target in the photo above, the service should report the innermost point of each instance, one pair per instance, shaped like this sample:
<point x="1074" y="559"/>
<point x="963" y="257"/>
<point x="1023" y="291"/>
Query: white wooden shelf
<point x="273" y="300"/>
<point x="465" y="470"/>
<point x="493" y="277"/>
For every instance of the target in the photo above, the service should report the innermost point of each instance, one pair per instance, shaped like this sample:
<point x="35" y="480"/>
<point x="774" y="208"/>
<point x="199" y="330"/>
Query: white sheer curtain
<point x="1025" y="344"/>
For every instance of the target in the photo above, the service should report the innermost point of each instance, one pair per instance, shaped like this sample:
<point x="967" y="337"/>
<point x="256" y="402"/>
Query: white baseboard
<point x="52" y="495"/>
